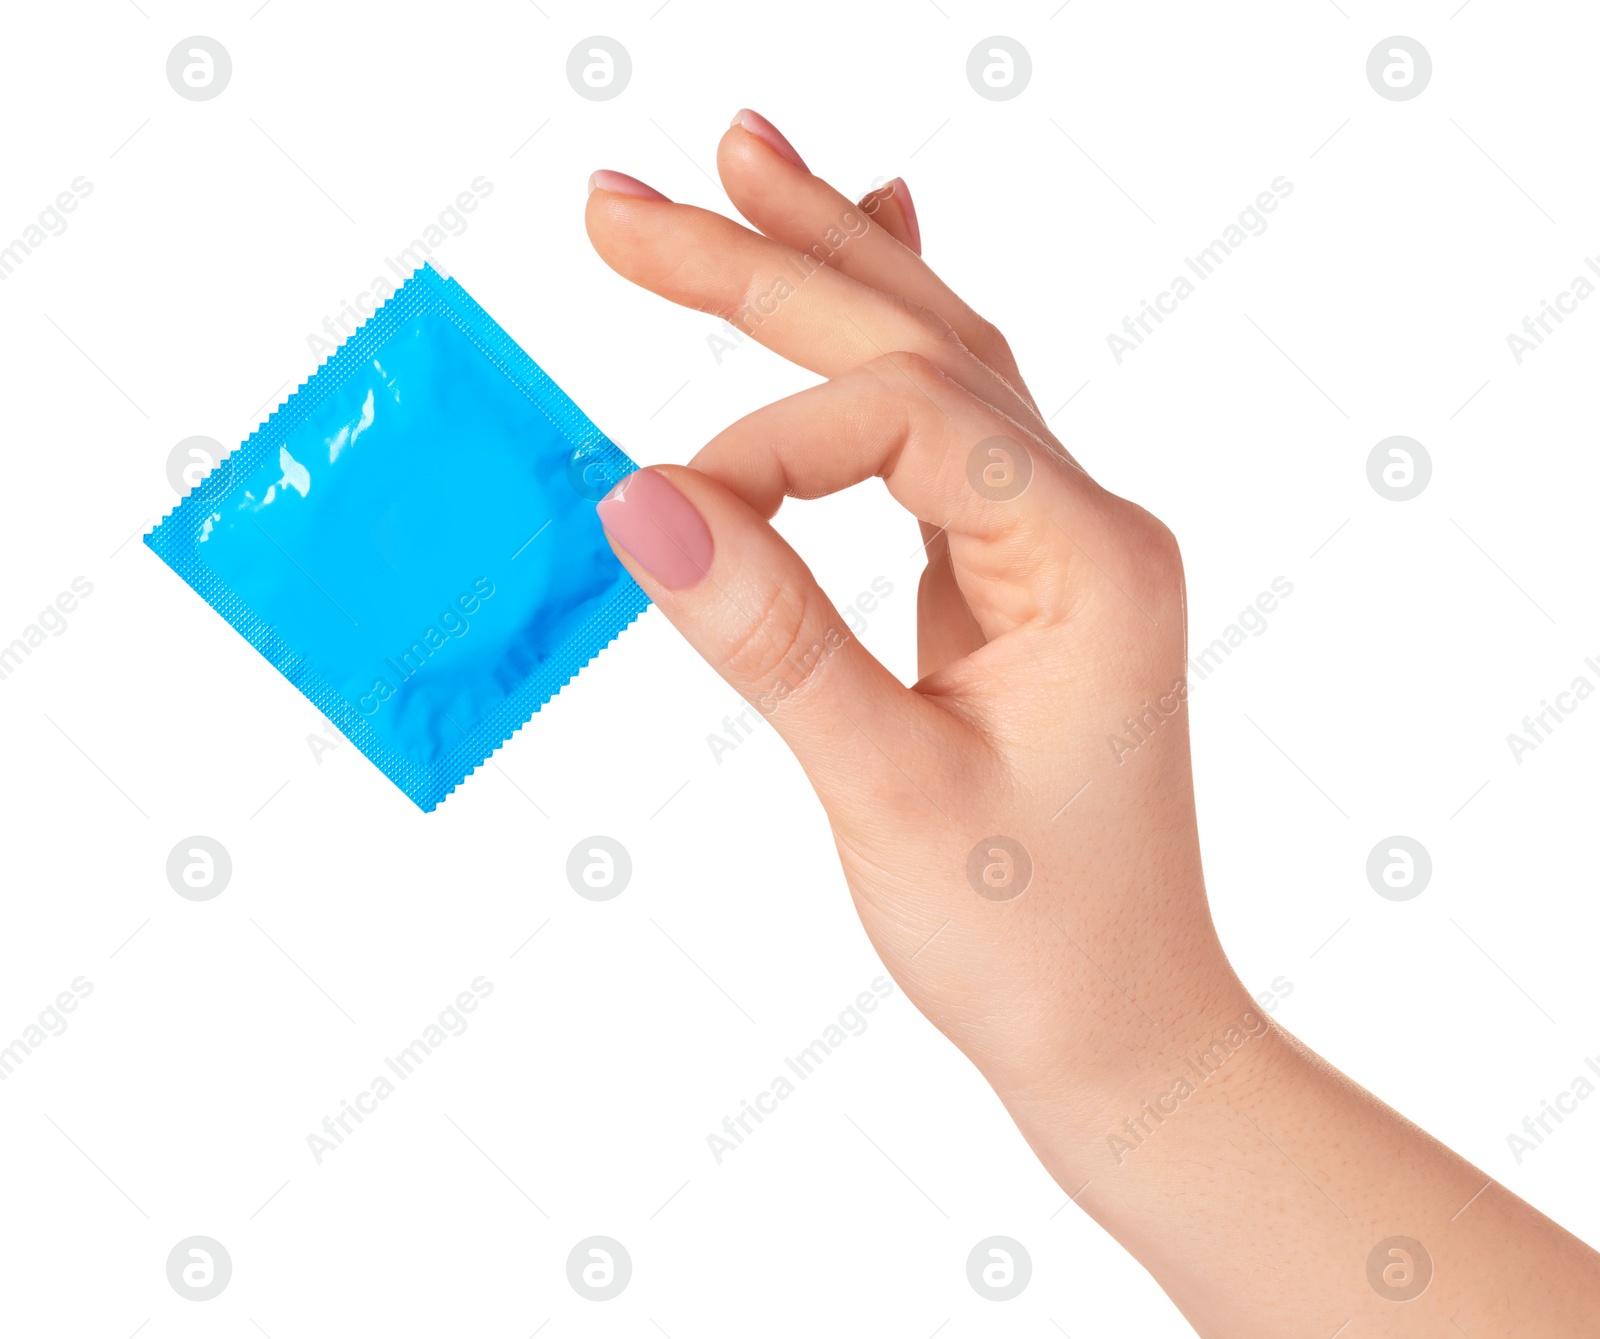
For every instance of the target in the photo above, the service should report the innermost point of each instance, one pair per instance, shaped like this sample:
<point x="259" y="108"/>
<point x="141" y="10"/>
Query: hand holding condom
<point x="1049" y="612"/>
<point x="1037" y="893"/>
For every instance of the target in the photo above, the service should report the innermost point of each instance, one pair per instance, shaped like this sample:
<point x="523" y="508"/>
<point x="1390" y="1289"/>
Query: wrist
<point x="1092" y="1097"/>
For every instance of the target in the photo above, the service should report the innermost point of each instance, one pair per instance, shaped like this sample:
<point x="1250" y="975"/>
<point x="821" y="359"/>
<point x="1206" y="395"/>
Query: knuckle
<point x="931" y="334"/>
<point x="895" y="370"/>
<point x="990" y="344"/>
<point x="929" y="320"/>
<point x="1164" y="547"/>
<point x="1156" y="547"/>
<point x="761" y="653"/>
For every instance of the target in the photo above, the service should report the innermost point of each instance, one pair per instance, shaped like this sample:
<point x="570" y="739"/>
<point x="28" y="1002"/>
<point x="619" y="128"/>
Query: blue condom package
<point x="411" y="540"/>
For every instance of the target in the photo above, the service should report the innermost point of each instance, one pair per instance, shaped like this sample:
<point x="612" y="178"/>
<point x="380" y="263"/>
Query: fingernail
<point x="761" y="128"/>
<point x="902" y="193"/>
<point x="620" y="183"/>
<point x="659" y="528"/>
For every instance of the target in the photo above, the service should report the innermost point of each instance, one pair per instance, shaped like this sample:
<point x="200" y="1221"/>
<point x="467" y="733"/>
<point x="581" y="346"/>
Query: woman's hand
<point x="1018" y="828"/>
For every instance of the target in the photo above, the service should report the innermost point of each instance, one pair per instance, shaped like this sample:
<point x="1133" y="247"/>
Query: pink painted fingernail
<point x="902" y="193"/>
<point x="659" y="528"/>
<point x="761" y="128"/>
<point x="620" y="183"/>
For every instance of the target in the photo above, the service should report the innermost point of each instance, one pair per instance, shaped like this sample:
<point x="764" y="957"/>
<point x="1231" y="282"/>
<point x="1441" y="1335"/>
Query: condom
<point x="411" y="539"/>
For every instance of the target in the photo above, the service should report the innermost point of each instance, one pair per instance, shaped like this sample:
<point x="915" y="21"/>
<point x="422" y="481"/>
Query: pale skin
<point x="1045" y="622"/>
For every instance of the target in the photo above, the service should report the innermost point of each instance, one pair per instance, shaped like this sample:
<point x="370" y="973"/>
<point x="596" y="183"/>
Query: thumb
<point x="749" y="605"/>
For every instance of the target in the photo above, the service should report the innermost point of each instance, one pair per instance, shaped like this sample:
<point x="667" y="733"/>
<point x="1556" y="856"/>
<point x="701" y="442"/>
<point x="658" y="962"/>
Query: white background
<point x="178" y="302"/>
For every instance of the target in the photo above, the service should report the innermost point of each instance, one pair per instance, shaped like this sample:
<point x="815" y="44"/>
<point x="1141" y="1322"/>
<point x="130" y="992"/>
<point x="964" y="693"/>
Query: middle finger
<point x="787" y="300"/>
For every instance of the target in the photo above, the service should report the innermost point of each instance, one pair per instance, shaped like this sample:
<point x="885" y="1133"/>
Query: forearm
<point x="1259" y="1186"/>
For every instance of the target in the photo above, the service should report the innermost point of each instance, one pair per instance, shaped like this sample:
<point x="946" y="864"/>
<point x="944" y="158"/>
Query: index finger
<point x="790" y="301"/>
